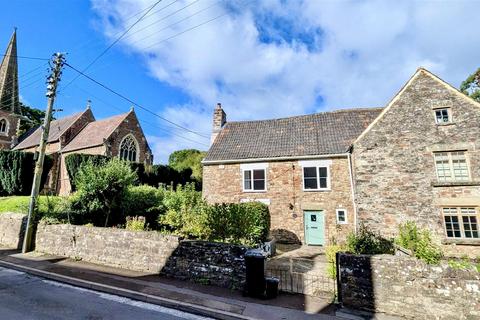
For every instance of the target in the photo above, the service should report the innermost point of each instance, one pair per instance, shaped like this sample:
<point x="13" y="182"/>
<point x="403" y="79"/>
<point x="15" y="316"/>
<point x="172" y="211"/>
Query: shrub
<point x="74" y="162"/>
<point x="100" y="192"/>
<point x="16" y="172"/>
<point x="143" y="200"/>
<point x="366" y="241"/>
<point x="419" y="242"/>
<point x="245" y="223"/>
<point x="185" y="212"/>
<point x="330" y="254"/>
<point x="135" y="223"/>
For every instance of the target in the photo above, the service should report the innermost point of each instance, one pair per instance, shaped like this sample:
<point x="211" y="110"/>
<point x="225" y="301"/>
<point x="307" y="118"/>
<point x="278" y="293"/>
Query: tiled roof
<point x="95" y="133"/>
<point x="316" y="134"/>
<point x="57" y="128"/>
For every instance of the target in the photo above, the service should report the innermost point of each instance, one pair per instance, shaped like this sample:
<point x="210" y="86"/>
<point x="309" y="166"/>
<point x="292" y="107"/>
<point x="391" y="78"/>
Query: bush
<point x="419" y="242"/>
<point x="16" y="172"/>
<point x="74" y="162"/>
<point x="185" y="212"/>
<point x="368" y="242"/>
<point x="245" y="223"/>
<point x="143" y="200"/>
<point x="135" y="223"/>
<point x="100" y="192"/>
<point x="330" y="254"/>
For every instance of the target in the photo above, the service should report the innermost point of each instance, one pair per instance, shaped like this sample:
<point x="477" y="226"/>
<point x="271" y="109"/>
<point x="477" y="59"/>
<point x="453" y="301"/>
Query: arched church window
<point x="129" y="149"/>
<point x="3" y="125"/>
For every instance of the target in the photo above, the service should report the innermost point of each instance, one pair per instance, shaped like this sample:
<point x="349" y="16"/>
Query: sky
<point x="260" y="59"/>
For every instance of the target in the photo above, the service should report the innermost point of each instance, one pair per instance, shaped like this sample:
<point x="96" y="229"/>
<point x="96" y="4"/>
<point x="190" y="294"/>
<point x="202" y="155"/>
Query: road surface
<point x="23" y="296"/>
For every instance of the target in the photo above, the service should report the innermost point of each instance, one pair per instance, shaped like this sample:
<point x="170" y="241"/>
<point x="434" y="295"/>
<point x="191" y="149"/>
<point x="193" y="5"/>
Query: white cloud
<point x="350" y="53"/>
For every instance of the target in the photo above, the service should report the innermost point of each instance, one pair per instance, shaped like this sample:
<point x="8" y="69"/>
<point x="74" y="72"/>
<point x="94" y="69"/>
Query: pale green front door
<point x="314" y="227"/>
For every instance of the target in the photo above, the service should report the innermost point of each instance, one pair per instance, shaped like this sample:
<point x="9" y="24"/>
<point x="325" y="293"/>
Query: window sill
<point x="455" y="183"/>
<point x="464" y="241"/>
<point x="445" y="124"/>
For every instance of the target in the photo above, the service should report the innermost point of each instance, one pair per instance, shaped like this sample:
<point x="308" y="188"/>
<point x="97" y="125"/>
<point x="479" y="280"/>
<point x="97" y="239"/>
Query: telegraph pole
<point x="58" y="60"/>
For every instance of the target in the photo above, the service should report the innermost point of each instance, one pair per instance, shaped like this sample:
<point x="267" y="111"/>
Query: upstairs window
<point x="129" y="149"/>
<point x="3" y="126"/>
<point x="315" y="178"/>
<point x="461" y="222"/>
<point x="443" y="116"/>
<point x="451" y="166"/>
<point x="254" y="180"/>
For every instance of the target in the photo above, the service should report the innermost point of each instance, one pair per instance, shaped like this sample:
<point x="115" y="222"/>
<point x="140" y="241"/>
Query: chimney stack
<point x="219" y="121"/>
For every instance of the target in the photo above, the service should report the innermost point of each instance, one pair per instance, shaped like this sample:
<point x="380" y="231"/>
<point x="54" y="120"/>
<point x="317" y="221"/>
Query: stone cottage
<point x="118" y="136"/>
<point x="420" y="161"/>
<point x="299" y="166"/>
<point x="323" y="174"/>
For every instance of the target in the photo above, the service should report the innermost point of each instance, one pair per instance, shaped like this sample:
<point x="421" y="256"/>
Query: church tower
<point x="10" y="111"/>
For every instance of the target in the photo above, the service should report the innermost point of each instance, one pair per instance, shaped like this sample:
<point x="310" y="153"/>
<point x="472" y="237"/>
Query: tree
<point x="471" y="86"/>
<point x="187" y="159"/>
<point x="35" y="118"/>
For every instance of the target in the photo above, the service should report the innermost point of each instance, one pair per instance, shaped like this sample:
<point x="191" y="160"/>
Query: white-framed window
<point x="316" y="175"/>
<point x="3" y="126"/>
<point x="254" y="177"/>
<point x="443" y="115"/>
<point x="129" y="149"/>
<point x="451" y="166"/>
<point x="341" y="216"/>
<point x="461" y="222"/>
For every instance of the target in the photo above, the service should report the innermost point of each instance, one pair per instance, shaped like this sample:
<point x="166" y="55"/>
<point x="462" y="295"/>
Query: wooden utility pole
<point x="58" y="60"/>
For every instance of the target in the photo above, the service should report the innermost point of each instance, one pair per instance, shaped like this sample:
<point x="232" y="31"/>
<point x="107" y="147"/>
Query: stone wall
<point x="394" y="165"/>
<point x="286" y="198"/>
<point x="148" y="251"/>
<point x="12" y="229"/>
<point x="134" y="250"/>
<point x="408" y="287"/>
<point x="219" y="264"/>
<point x="8" y="138"/>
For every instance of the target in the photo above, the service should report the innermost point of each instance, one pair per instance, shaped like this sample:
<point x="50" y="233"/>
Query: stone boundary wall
<point x="146" y="251"/>
<point x="220" y="264"/>
<point x="408" y="287"/>
<point x="12" y="229"/>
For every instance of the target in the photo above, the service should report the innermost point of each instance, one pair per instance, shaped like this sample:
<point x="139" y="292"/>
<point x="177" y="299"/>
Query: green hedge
<point x="152" y="175"/>
<point x="74" y="161"/>
<point x="16" y="172"/>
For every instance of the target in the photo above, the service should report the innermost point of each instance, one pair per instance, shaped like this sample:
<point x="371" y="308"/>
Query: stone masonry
<point x="394" y="167"/>
<point x="12" y="229"/>
<point x="223" y="183"/>
<point x="409" y="288"/>
<point x="8" y="138"/>
<point x="134" y="250"/>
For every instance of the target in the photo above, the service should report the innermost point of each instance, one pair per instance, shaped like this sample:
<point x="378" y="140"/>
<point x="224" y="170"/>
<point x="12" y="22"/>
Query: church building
<point x="117" y="136"/>
<point x="10" y="112"/>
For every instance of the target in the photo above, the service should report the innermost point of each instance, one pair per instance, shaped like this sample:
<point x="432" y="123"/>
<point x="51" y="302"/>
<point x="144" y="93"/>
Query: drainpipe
<point x="350" y="166"/>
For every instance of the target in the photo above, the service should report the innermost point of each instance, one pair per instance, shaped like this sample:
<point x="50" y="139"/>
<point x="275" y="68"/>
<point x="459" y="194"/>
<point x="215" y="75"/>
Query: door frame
<point x="305" y="225"/>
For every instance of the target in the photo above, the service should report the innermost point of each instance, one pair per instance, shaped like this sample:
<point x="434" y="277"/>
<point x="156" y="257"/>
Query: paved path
<point x="23" y="296"/>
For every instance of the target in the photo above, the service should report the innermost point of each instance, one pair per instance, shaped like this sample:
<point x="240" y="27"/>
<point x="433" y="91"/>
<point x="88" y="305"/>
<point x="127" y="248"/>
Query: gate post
<point x="339" y="282"/>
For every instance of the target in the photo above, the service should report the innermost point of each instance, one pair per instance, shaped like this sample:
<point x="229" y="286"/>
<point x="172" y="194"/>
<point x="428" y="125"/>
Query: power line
<point x="171" y="25"/>
<point x="25" y="57"/>
<point x="141" y="120"/>
<point x="133" y="102"/>
<point x="87" y="43"/>
<point x="113" y="43"/>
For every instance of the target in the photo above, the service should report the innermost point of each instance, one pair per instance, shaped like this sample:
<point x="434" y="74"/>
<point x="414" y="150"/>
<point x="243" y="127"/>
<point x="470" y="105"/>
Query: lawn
<point x="20" y="203"/>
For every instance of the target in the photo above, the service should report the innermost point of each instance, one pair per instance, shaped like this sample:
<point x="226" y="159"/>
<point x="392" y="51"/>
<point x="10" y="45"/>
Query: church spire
<point x="9" y="78"/>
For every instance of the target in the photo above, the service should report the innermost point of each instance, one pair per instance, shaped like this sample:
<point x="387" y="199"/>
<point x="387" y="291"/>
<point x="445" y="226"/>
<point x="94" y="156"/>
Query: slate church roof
<point x="95" y="133"/>
<point x="308" y="135"/>
<point x="57" y="128"/>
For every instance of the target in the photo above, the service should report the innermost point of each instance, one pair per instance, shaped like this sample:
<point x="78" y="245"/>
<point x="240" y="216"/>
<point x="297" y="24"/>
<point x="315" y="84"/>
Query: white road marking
<point x="130" y="302"/>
